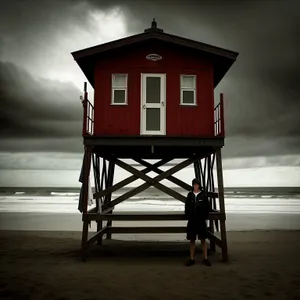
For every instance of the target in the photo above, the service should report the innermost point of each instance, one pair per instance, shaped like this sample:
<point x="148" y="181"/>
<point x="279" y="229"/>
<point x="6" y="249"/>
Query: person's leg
<point x="191" y="260"/>
<point x="204" y="248"/>
<point x="203" y="237"/>
<point x="192" y="248"/>
<point x="191" y="237"/>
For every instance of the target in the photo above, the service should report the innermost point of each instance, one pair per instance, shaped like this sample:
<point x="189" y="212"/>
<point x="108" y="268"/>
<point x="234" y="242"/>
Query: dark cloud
<point x="241" y="146"/>
<point x="27" y="19"/>
<point x="42" y="144"/>
<point x="37" y="107"/>
<point x="261" y="90"/>
<point x="40" y="161"/>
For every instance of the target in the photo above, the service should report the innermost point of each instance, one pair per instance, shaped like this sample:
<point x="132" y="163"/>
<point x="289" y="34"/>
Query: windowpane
<point x="188" y="97"/>
<point x="119" y="80"/>
<point x="187" y="82"/>
<point x="152" y="89"/>
<point x="119" y="96"/>
<point x="152" y="119"/>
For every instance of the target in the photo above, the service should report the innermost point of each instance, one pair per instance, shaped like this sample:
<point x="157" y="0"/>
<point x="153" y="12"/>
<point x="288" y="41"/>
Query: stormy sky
<point x="40" y="83"/>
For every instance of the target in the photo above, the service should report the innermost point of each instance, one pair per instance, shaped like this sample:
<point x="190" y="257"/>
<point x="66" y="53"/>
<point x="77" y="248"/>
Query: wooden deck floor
<point x="147" y="216"/>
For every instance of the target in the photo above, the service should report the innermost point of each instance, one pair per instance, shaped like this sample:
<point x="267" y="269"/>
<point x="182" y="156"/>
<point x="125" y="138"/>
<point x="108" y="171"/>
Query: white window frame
<point x="182" y="89"/>
<point x="117" y="88"/>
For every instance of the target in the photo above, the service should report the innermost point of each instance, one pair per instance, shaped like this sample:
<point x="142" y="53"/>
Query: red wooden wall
<point x="180" y="120"/>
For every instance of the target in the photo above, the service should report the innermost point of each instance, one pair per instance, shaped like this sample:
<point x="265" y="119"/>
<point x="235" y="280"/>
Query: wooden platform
<point x="146" y="216"/>
<point x="157" y="230"/>
<point x="153" y="146"/>
<point x="147" y="229"/>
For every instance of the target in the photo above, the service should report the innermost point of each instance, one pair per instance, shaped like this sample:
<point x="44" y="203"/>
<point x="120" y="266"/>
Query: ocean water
<point x="284" y="200"/>
<point x="56" y="208"/>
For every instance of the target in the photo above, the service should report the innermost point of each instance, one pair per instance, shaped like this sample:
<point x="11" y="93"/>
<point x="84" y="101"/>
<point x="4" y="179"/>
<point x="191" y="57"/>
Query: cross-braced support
<point x="204" y="171"/>
<point x="104" y="187"/>
<point x="104" y="176"/>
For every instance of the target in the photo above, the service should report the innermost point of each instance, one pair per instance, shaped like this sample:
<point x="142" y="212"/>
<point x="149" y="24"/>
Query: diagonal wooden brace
<point x="154" y="182"/>
<point x="149" y="180"/>
<point x="159" y="171"/>
<point x="128" y="180"/>
<point x="174" y="179"/>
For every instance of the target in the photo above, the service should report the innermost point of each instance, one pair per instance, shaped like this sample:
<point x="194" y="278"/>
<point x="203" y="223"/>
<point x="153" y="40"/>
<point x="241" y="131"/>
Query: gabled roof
<point x="223" y="58"/>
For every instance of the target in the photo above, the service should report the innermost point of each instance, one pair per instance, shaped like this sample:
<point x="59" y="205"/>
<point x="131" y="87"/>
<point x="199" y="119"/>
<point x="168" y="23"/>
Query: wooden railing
<point x="89" y="118"/>
<point x="219" y="118"/>
<point x="88" y="115"/>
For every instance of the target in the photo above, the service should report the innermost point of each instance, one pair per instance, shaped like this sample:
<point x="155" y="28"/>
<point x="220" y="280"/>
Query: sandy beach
<point x="72" y="222"/>
<point x="46" y="265"/>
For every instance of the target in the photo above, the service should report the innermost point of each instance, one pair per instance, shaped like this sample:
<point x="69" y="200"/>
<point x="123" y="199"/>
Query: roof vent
<point x="153" y="27"/>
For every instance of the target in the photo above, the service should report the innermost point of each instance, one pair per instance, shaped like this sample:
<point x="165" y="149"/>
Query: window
<point x="119" y="89"/>
<point x="188" y="90"/>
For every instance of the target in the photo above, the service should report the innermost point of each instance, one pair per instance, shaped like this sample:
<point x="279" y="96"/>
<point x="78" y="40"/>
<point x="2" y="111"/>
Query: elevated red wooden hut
<point x="154" y="99"/>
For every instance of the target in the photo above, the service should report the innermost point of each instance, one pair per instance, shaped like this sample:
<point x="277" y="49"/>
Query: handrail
<point x="90" y="118"/>
<point x="88" y="115"/>
<point x="219" y="129"/>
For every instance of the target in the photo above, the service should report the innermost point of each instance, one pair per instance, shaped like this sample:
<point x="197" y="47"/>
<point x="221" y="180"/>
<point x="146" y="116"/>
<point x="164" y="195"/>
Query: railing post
<point x="84" y="102"/>
<point x="222" y="115"/>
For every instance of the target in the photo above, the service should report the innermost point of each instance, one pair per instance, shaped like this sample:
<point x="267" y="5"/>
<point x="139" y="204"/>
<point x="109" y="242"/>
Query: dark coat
<point x="196" y="209"/>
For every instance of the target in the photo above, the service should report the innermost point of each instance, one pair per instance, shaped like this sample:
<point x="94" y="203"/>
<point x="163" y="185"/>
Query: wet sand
<point x="30" y="221"/>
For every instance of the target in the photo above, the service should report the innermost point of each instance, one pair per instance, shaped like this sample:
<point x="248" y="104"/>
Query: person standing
<point x="196" y="211"/>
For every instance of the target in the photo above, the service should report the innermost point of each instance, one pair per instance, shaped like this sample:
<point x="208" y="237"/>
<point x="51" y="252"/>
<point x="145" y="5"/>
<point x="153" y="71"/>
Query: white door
<point x="153" y="104"/>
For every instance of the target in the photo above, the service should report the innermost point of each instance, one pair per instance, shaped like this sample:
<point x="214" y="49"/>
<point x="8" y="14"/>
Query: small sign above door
<point x="153" y="57"/>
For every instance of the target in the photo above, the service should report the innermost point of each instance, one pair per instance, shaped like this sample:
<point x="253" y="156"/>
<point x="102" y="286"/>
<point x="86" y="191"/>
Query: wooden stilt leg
<point x="212" y="244"/>
<point x="84" y="244"/>
<point x="101" y="188"/>
<point x="224" y="241"/>
<point x="99" y="228"/>
<point x="108" y="235"/>
<point x="98" y="188"/>
<point x="109" y="184"/>
<point x="222" y="204"/>
<point x="211" y="188"/>
<point x="86" y="174"/>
